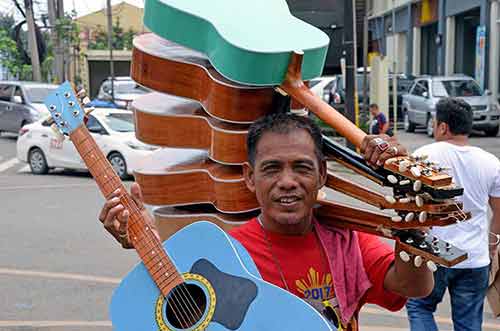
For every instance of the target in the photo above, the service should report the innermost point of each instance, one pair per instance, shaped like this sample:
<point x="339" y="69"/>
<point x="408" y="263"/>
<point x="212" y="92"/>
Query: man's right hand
<point x="114" y="216"/>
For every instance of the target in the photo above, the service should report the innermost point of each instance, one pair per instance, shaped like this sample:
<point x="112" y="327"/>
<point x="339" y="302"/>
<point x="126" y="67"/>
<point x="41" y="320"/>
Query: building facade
<point x="439" y="37"/>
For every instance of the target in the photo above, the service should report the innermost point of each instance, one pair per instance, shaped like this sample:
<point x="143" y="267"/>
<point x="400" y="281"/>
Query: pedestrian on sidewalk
<point x="379" y="124"/>
<point x="478" y="172"/>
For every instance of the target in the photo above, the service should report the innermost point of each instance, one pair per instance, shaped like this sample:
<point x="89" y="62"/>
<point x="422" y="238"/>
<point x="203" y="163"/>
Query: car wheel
<point x="492" y="132"/>
<point x="408" y="125"/>
<point x="37" y="162"/>
<point x="430" y="127"/>
<point x="119" y="165"/>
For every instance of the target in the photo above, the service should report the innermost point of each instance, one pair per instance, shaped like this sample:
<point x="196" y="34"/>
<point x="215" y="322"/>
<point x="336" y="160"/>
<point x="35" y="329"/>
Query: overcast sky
<point x="82" y="7"/>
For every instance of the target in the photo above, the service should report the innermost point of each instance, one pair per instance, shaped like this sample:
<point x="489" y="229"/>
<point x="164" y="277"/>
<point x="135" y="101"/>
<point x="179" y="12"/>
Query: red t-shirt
<point x="304" y="266"/>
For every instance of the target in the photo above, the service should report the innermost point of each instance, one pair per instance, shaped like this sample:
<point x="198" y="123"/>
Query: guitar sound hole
<point x="185" y="306"/>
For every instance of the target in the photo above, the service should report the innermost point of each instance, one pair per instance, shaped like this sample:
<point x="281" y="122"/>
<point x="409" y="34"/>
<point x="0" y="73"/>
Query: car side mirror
<point x="487" y="92"/>
<point x="17" y="99"/>
<point x="425" y="94"/>
<point x="97" y="129"/>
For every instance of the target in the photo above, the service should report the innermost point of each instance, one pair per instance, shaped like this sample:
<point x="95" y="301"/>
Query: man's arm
<point x="495" y="223"/>
<point x="407" y="280"/>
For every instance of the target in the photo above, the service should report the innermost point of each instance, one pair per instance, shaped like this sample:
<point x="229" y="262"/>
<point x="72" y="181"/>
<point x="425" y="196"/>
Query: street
<point x="58" y="266"/>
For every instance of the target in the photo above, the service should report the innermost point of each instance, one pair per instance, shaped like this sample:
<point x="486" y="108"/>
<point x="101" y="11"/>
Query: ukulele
<point x="170" y="68"/>
<point x="166" y="120"/>
<point x="253" y="58"/>
<point x="184" y="177"/>
<point x="211" y="285"/>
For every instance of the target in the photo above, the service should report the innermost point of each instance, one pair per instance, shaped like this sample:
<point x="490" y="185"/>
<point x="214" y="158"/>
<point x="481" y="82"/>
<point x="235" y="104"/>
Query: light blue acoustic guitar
<point x="249" y="42"/>
<point x="206" y="281"/>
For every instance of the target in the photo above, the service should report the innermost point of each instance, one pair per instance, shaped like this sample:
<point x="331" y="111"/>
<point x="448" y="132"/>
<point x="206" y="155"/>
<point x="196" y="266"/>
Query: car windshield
<point x="120" y="122"/>
<point x="456" y="88"/>
<point x="37" y="94"/>
<point x="129" y="87"/>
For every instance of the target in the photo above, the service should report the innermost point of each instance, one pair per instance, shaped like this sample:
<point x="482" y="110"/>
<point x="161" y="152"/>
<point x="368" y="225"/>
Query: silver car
<point x="125" y="91"/>
<point x="22" y="103"/>
<point x="419" y="105"/>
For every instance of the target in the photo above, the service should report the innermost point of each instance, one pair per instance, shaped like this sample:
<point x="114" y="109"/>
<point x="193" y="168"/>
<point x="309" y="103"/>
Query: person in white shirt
<point x="478" y="172"/>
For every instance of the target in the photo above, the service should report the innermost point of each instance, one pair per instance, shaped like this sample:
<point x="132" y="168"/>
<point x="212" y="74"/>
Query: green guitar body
<point x="249" y="42"/>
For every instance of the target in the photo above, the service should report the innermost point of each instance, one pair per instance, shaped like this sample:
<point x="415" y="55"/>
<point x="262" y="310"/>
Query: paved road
<point x="58" y="267"/>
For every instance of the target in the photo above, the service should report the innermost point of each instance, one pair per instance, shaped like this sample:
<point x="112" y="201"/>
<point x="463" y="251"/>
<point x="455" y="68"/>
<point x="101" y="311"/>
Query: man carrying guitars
<point x="335" y="270"/>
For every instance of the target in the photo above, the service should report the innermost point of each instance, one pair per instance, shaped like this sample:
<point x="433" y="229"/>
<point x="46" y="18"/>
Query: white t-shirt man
<point x="478" y="172"/>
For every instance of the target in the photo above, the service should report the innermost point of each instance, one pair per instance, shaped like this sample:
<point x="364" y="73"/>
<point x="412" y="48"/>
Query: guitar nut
<point x="396" y="219"/>
<point x="409" y="217"/>
<point x="417" y="185"/>
<point x="405" y="257"/>
<point x="392" y="179"/>
<point x="431" y="266"/>
<point x="418" y="261"/>
<point x="415" y="171"/>
<point x="419" y="201"/>
<point x="422" y="217"/>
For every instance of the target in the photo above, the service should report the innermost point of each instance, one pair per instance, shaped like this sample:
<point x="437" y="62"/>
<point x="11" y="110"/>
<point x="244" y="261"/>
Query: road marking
<point x="59" y="275"/>
<point x="26" y="168"/>
<point x="41" y="324"/>
<point x="439" y="319"/>
<point x="41" y="187"/>
<point x="8" y="164"/>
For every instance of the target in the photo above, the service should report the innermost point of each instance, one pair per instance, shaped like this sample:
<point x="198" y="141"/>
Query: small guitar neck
<point x="148" y="246"/>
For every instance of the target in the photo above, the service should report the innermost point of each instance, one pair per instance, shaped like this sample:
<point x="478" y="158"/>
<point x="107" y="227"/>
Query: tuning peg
<point x="81" y="93"/>
<point x="419" y="201"/>
<point x="417" y="261"/>
<point x="409" y="217"/>
<point x="392" y="179"/>
<point x="396" y="219"/>
<point x="404" y="165"/>
<point x="431" y="266"/>
<point x="405" y="257"/>
<point x="55" y="129"/>
<point x="390" y="199"/>
<point x="417" y="185"/>
<point x="404" y="182"/>
<point x="85" y="100"/>
<point x="405" y="200"/>
<point x="415" y="171"/>
<point x="89" y="110"/>
<point x="422" y="217"/>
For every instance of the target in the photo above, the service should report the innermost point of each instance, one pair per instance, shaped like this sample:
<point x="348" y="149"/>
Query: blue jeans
<point x="467" y="289"/>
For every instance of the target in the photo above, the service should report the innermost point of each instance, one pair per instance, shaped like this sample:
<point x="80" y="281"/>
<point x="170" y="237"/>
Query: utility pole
<point x="110" y="46"/>
<point x="55" y="9"/>
<point x="351" y="102"/>
<point x="32" y="43"/>
<point x="364" y="113"/>
<point x="394" y="69"/>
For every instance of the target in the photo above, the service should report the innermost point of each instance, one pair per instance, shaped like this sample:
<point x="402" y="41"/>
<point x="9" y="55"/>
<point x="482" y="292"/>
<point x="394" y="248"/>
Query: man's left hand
<point x="376" y="149"/>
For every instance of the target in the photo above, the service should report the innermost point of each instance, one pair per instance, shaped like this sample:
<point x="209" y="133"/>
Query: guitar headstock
<point x="422" y="246"/>
<point x="65" y="109"/>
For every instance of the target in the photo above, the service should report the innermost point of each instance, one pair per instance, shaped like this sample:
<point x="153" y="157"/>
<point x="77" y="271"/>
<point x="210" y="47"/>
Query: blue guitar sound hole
<point x="186" y="305"/>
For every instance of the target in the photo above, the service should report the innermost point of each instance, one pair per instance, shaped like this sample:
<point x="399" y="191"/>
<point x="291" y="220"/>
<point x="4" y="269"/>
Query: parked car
<point x="125" y="91"/>
<point x="321" y="86"/>
<point x="113" y="130"/>
<point x="22" y="103"/>
<point x="419" y="105"/>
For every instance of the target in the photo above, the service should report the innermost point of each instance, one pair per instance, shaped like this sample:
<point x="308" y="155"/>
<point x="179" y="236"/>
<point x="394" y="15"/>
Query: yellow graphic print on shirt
<point x="319" y="292"/>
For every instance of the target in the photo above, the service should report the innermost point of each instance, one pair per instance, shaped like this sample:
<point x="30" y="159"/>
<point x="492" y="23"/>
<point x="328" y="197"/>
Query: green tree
<point x="121" y="39"/>
<point x="10" y="58"/>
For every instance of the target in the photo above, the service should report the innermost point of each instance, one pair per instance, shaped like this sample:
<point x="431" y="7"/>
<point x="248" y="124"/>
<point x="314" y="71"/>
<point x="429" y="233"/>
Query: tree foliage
<point x="121" y="39"/>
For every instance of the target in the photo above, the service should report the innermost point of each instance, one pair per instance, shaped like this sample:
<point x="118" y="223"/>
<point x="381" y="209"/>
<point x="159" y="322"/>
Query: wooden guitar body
<point x="246" y="41"/>
<point x="177" y="177"/>
<point x="170" y="68"/>
<point x="166" y="120"/>
<point x="169" y="220"/>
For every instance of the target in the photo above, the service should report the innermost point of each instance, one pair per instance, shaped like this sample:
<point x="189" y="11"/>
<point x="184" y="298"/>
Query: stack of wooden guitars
<point x="218" y="66"/>
<point x="216" y="77"/>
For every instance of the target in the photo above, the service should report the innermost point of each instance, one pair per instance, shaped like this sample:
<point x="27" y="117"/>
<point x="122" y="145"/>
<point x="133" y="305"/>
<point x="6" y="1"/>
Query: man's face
<point x="286" y="177"/>
<point x="374" y="111"/>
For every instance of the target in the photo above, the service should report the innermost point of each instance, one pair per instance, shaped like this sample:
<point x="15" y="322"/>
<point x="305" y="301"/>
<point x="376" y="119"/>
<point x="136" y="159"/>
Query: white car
<point x="321" y="86"/>
<point x="112" y="129"/>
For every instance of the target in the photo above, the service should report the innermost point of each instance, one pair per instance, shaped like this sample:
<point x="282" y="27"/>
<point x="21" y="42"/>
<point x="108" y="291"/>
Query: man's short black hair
<point x="282" y="123"/>
<point x="456" y="113"/>
<point x="373" y="105"/>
